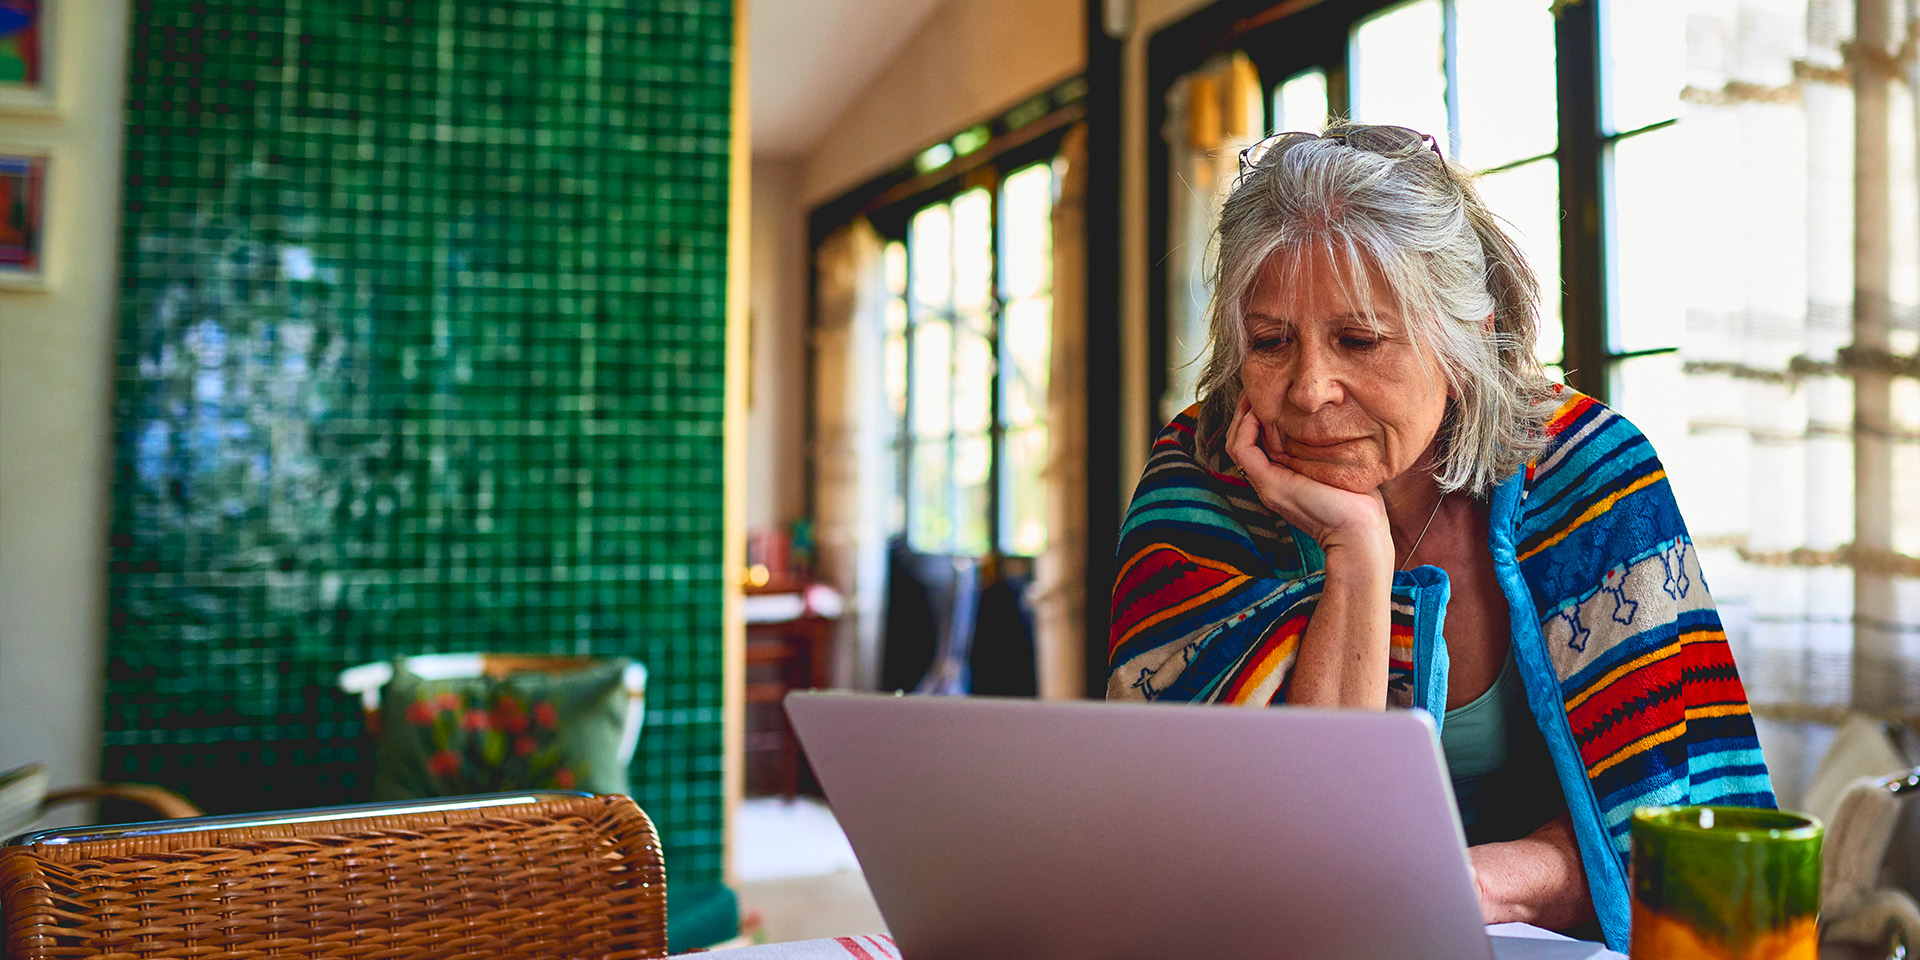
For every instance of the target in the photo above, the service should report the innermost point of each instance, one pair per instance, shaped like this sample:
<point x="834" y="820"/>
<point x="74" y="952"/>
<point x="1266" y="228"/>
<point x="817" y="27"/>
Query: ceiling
<point x="807" y="59"/>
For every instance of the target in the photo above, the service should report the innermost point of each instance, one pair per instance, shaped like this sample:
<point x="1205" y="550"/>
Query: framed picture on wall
<point x="23" y="218"/>
<point x="26" y="42"/>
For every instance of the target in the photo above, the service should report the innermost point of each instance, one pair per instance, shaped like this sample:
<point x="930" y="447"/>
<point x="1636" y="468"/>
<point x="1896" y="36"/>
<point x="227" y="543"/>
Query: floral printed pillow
<point x="444" y="738"/>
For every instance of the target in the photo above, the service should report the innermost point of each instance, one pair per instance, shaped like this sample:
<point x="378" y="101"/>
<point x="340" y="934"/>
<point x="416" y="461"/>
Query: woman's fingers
<point x="1272" y="482"/>
<point x="1326" y="513"/>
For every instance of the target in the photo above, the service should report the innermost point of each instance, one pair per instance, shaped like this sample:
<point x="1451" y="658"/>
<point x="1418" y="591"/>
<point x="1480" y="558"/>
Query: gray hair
<point x="1414" y="219"/>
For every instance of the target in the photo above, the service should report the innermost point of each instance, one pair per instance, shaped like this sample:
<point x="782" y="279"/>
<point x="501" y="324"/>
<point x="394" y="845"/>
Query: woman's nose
<point x="1316" y="382"/>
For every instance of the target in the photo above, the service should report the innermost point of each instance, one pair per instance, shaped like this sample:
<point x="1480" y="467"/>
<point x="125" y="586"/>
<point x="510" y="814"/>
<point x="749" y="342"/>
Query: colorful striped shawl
<point x="1621" y="651"/>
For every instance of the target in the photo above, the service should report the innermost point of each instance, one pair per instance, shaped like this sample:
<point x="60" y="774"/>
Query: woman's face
<point x="1340" y="398"/>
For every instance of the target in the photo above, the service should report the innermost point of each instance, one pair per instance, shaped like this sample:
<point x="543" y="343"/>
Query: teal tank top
<point x="1502" y="776"/>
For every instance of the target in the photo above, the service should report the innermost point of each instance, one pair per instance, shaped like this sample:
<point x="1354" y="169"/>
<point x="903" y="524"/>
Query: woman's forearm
<point x="1343" y="653"/>
<point x="1536" y="879"/>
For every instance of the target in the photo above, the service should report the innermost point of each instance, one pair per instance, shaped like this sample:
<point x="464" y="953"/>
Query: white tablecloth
<point x="869" y="947"/>
<point x="880" y="947"/>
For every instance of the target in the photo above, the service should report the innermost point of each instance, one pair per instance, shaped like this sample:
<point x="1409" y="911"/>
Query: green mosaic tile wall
<point x="422" y="350"/>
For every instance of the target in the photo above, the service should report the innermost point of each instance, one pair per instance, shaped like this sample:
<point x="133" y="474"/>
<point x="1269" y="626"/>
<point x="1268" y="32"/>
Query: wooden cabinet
<point x="789" y="647"/>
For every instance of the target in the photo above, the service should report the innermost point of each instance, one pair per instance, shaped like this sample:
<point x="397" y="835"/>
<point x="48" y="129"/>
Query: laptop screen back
<point x="1022" y="830"/>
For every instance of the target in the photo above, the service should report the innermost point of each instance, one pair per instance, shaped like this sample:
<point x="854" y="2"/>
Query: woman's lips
<point x="1325" y="443"/>
<point x="1328" y="449"/>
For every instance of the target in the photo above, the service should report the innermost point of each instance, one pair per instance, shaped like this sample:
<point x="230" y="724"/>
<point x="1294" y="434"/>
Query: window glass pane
<point x="1026" y="219"/>
<point x="972" y="250"/>
<point x="1652" y="392"/>
<point x="932" y="501"/>
<point x="896" y="361"/>
<point x="930" y="240"/>
<point x="1300" y="103"/>
<point x="972" y="460"/>
<point x="896" y="318"/>
<point x="972" y="380"/>
<point x="1399" y="69"/>
<point x="896" y="480"/>
<point x="1029" y="338"/>
<point x="1643" y="63"/>
<point x="1653" y="264"/>
<point x="895" y="262"/>
<point x="1527" y="200"/>
<point x="1906" y="464"/>
<point x="932" y="378"/>
<point x="1507" y="87"/>
<point x="1023" y="516"/>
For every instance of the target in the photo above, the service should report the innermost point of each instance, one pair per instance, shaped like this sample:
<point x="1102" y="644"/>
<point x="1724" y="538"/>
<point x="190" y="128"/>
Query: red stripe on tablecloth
<point x="853" y="948"/>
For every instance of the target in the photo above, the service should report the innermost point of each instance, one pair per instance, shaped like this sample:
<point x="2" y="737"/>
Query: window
<point x="968" y="338"/>
<point x="1733" y="174"/>
<point x="1479" y="76"/>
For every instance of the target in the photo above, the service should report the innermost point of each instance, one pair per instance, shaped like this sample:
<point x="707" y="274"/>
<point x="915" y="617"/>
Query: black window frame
<point x="1282" y="39"/>
<point x="1030" y="133"/>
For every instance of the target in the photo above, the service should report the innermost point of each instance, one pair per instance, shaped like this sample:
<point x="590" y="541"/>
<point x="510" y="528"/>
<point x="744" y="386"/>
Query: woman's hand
<point x="1342" y="659"/>
<point x="1338" y="520"/>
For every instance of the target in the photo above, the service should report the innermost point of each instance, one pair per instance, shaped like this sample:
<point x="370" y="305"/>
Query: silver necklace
<point x="1423" y="531"/>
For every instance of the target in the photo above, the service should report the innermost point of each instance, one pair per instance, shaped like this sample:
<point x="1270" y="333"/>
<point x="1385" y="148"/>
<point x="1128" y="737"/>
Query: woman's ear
<point x="1487" y="324"/>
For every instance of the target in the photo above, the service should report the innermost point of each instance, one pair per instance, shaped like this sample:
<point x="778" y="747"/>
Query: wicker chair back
<point x="567" y="876"/>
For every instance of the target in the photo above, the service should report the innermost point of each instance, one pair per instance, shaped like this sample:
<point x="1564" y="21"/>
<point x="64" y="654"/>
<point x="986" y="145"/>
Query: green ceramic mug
<point x="1725" y="883"/>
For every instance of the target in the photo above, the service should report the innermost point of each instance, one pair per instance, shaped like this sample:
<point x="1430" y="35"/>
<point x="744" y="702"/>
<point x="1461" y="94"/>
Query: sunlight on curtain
<point x="1212" y="114"/>
<point x="1059" y="590"/>
<point x="1789" y="416"/>
<point x="853" y="468"/>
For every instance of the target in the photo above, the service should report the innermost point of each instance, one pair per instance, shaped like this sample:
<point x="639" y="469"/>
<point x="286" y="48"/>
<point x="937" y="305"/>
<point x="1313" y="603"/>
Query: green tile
<point x="415" y="360"/>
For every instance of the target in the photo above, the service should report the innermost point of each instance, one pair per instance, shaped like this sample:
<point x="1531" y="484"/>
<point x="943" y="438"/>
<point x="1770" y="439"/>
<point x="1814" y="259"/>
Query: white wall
<point x="56" y="354"/>
<point x="776" y="401"/>
<point x="969" y="61"/>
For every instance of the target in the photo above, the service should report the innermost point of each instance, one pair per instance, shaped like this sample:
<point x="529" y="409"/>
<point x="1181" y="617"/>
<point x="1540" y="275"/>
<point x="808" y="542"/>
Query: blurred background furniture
<point x="510" y="875"/>
<point x="789" y="644"/>
<point x="456" y="724"/>
<point x="428" y="748"/>
<point x="25" y="797"/>
<point x="367" y="680"/>
<point x="958" y="624"/>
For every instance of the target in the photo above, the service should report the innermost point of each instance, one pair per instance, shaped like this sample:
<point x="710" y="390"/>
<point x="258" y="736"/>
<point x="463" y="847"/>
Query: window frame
<point x="1286" y="37"/>
<point x="1022" y="137"/>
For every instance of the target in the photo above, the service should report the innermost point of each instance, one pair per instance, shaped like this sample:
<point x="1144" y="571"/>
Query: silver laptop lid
<point x="1022" y="830"/>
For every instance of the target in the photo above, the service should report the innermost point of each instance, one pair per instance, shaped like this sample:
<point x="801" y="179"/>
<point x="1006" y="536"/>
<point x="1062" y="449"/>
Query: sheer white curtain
<point x="1059" y="594"/>
<point x="851" y="462"/>
<point x="1212" y="114"/>
<point x="1772" y="235"/>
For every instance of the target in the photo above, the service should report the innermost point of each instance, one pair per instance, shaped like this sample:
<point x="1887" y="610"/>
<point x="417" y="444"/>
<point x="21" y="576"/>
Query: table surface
<point x="880" y="947"/>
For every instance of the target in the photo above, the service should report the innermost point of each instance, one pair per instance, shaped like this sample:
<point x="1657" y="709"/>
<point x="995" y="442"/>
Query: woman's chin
<point x="1356" y="478"/>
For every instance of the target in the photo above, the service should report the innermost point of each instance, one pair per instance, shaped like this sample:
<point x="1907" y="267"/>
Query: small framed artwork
<point x="23" y="218"/>
<point x="26" y="75"/>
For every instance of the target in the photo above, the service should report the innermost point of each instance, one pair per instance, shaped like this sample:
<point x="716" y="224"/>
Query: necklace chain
<point x="1423" y="531"/>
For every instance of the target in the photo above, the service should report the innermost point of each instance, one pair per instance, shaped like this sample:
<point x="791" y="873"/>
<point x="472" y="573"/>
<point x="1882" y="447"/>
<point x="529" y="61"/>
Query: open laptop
<point x="1029" y="830"/>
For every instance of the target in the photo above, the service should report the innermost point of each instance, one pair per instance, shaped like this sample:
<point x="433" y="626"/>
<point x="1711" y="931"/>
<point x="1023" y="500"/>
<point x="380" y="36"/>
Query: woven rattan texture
<point x="575" y="878"/>
<point x="422" y="350"/>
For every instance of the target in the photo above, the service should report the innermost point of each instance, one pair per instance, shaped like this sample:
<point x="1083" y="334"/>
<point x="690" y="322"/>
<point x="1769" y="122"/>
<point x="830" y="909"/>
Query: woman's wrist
<point x="1537" y="879"/>
<point x="1361" y="555"/>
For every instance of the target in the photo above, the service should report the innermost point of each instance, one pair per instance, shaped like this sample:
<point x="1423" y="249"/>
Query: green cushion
<point x="445" y="738"/>
<point x="700" y="915"/>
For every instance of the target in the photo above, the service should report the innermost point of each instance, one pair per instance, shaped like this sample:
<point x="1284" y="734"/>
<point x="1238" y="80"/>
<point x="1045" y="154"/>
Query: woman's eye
<point x="1270" y="343"/>
<point x="1359" y="343"/>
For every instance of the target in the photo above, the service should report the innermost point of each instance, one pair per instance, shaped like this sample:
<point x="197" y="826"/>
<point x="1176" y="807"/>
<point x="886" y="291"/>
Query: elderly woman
<point x="1381" y="501"/>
